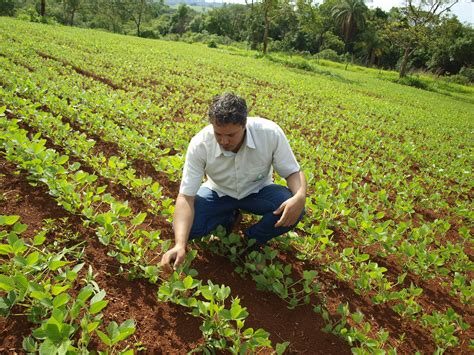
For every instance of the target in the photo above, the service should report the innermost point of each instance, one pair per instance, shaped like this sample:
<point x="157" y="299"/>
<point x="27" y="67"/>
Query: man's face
<point x="230" y="136"/>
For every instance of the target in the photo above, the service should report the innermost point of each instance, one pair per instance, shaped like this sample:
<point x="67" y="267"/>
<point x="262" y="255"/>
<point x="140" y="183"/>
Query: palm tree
<point x="350" y="15"/>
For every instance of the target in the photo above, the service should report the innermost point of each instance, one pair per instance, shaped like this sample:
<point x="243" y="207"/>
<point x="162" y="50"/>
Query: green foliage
<point x="413" y="81"/>
<point x="388" y="170"/>
<point x="467" y="73"/>
<point x="350" y="15"/>
<point x="329" y="54"/>
<point x="38" y="279"/>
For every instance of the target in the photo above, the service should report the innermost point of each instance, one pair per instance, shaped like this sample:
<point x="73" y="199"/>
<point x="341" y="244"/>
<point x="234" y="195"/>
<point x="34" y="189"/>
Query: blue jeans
<point x="210" y="210"/>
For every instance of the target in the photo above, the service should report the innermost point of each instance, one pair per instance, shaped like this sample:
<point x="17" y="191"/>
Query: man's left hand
<point x="290" y="210"/>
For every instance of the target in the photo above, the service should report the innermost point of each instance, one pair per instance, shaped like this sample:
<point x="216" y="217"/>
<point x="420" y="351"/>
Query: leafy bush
<point x="329" y="54"/>
<point x="212" y="44"/>
<point x="148" y="34"/>
<point x="202" y="37"/>
<point x="458" y="79"/>
<point x="413" y="81"/>
<point x="467" y="73"/>
<point x="332" y="42"/>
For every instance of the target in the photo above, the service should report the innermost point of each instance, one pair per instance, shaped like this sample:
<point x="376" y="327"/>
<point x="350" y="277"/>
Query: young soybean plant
<point x="264" y="268"/>
<point x="36" y="279"/>
<point x="223" y="326"/>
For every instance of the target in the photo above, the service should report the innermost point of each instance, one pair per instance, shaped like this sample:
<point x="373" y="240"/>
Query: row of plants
<point x="39" y="279"/>
<point x="114" y="167"/>
<point x="132" y="113"/>
<point x="387" y="173"/>
<point x="271" y="274"/>
<point x="367" y="277"/>
<point x="410" y="209"/>
<point x="133" y="248"/>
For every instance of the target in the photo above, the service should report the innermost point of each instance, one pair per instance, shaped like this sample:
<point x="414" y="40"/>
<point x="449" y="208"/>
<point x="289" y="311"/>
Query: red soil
<point x="161" y="327"/>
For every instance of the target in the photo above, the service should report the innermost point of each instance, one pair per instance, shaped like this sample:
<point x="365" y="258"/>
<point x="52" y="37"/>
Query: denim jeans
<point x="210" y="210"/>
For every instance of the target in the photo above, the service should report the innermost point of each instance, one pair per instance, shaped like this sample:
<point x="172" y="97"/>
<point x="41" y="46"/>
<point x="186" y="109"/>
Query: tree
<point x="370" y="45"/>
<point x="350" y="15"/>
<point x="269" y="7"/>
<point x="412" y="30"/>
<point x="70" y="9"/>
<point x="109" y="14"/>
<point x="229" y="20"/>
<point x="137" y="10"/>
<point x="7" y="7"/>
<point x="310" y="25"/>
<point x="266" y="10"/>
<point x="181" y="19"/>
<point x="451" y="48"/>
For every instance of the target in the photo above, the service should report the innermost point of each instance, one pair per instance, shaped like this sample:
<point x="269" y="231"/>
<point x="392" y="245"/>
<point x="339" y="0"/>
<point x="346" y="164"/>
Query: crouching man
<point x="237" y="154"/>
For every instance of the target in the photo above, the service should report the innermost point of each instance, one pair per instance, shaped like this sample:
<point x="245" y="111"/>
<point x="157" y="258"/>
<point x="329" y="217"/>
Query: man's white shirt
<point x="238" y="174"/>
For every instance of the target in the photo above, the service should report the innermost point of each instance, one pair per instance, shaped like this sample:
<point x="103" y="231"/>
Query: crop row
<point x="378" y="194"/>
<point x="367" y="276"/>
<point x="38" y="280"/>
<point x="222" y="327"/>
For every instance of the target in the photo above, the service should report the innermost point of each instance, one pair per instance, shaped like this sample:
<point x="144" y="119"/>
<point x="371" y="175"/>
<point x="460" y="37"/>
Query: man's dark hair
<point x="228" y="108"/>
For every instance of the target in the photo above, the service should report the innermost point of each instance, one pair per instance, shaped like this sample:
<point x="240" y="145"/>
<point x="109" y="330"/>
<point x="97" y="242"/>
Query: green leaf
<point x="61" y="300"/>
<point x="22" y="282"/>
<point x="39" y="239"/>
<point x="29" y="344"/>
<point x="347" y="251"/>
<point x="248" y="332"/>
<point x="8" y="220"/>
<point x="20" y="228"/>
<point x="98" y="306"/>
<point x="85" y="293"/>
<point x="5" y="249"/>
<point x="47" y="348"/>
<point x="33" y="258"/>
<point x="188" y="282"/>
<point x="207" y="294"/>
<point x="52" y="332"/>
<point x="62" y="159"/>
<point x="357" y="317"/>
<point x="56" y="264"/>
<point x="105" y="339"/>
<point x="6" y="283"/>
<point x="362" y="257"/>
<point x="281" y="347"/>
<point x="139" y="218"/>
<point x="352" y="223"/>
<point x="99" y="296"/>
<point x="126" y="329"/>
<point x="92" y="326"/>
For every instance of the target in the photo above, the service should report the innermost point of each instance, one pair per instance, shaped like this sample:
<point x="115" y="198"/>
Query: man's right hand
<point x="174" y="257"/>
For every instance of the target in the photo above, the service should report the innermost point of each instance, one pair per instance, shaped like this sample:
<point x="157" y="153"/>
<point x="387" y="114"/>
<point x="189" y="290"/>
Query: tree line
<point x="421" y="35"/>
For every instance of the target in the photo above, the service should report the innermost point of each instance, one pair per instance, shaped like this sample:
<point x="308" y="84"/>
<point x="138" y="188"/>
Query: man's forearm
<point x="297" y="184"/>
<point x="183" y="219"/>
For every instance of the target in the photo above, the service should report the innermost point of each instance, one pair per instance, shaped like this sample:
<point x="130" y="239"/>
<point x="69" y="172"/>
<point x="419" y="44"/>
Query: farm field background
<point x="94" y="128"/>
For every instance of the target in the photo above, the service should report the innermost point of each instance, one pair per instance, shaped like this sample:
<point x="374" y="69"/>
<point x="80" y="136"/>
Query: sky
<point x="464" y="9"/>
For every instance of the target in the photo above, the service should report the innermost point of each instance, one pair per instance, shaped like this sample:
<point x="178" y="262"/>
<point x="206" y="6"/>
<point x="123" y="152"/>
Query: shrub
<point x="413" y="81"/>
<point x="212" y="44"/>
<point x="329" y="54"/>
<point x="458" y="79"/>
<point x="468" y="73"/>
<point x="148" y="34"/>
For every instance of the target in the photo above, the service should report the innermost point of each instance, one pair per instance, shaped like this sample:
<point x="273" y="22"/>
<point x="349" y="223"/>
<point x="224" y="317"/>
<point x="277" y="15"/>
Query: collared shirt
<point x="238" y="174"/>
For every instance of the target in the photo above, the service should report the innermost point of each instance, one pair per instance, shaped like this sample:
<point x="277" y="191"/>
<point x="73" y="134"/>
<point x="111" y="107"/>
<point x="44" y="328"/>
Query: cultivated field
<point x="93" y="132"/>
